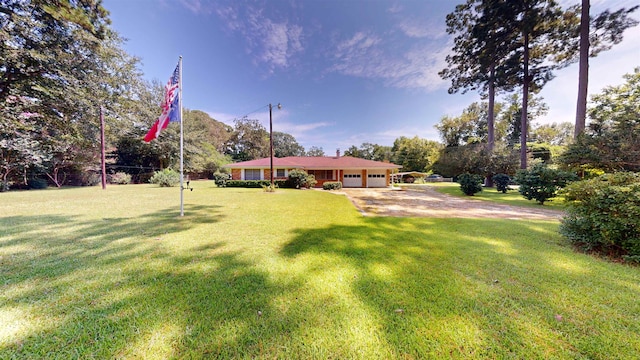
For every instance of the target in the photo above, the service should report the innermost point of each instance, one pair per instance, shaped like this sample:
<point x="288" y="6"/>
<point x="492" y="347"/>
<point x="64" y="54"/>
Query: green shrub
<point x="221" y="179"/>
<point x="332" y="185"/>
<point x="311" y="181"/>
<point x="541" y="182"/>
<point x="165" y="178"/>
<point x="604" y="215"/>
<point x="470" y="183"/>
<point x="247" y="183"/>
<point x="257" y="184"/>
<point x="90" y="178"/>
<point x="120" y="178"/>
<point x="502" y="182"/>
<point x="300" y="179"/>
<point x="38" y="183"/>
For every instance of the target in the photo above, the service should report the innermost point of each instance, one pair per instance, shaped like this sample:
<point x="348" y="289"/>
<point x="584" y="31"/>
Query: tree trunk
<point x="490" y="114"/>
<point x="583" y="77"/>
<point x="491" y="121"/>
<point x="525" y="101"/>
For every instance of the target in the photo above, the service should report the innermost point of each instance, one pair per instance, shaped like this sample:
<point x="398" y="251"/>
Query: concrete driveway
<point x="427" y="202"/>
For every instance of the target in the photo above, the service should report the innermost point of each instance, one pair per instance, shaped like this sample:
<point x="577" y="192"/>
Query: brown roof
<point x="315" y="162"/>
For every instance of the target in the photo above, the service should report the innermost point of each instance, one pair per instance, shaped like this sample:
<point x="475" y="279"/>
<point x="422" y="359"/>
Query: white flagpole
<point x="181" y="138"/>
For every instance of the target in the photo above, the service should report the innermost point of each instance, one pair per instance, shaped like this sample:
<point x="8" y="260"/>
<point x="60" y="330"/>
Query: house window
<point x="280" y="173"/>
<point x="376" y="175"/>
<point x="349" y="176"/>
<point x="321" y="174"/>
<point x="252" y="174"/>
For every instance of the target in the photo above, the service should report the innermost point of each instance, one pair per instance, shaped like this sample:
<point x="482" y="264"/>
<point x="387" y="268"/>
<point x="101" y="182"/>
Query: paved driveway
<point x="426" y="202"/>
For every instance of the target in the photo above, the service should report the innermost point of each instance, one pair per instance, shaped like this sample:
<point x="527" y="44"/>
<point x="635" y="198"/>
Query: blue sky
<point x="345" y="72"/>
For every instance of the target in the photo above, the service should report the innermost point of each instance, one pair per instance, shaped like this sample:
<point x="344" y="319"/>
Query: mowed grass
<point x="511" y="197"/>
<point x="87" y="273"/>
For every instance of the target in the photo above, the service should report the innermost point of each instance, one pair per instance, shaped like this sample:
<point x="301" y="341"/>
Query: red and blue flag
<point x="170" y="106"/>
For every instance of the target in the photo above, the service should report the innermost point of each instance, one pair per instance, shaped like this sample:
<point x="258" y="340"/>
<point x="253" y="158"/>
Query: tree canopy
<point x="611" y="141"/>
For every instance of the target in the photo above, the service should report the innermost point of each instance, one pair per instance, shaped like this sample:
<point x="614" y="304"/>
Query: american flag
<point x="170" y="106"/>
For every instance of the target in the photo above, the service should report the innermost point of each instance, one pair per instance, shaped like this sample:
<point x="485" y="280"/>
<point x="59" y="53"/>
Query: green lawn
<point x="87" y="273"/>
<point x="512" y="197"/>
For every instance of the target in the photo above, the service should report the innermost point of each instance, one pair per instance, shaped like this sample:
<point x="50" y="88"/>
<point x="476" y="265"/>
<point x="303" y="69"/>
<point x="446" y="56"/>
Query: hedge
<point x="332" y="185"/>
<point x="255" y="183"/>
<point x="604" y="215"/>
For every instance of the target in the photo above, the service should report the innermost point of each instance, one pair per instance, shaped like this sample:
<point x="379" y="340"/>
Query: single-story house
<point x="351" y="171"/>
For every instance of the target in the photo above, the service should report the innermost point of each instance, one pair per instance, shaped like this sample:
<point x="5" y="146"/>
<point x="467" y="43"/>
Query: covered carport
<point x="407" y="174"/>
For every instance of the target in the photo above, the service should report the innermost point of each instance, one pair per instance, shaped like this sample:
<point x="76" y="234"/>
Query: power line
<point x="251" y="112"/>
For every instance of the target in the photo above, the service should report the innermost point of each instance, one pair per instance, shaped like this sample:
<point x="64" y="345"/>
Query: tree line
<point x="62" y="65"/>
<point x="503" y="46"/>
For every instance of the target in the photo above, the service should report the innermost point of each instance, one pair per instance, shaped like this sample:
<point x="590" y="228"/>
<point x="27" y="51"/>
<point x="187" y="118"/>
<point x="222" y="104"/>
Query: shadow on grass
<point x="111" y="290"/>
<point x="441" y="290"/>
<point x="424" y="289"/>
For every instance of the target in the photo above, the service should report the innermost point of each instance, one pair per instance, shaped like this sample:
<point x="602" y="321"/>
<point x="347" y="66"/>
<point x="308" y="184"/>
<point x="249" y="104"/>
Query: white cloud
<point x="198" y="6"/>
<point x="395" y="8"/>
<point x="272" y="43"/>
<point x="418" y="29"/>
<point x="301" y="131"/>
<point x="222" y="117"/>
<point x="363" y="55"/>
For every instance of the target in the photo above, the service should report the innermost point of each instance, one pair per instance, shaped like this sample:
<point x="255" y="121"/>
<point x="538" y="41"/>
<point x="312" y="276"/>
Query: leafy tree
<point x="612" y="139"/>
<point x="415" y="154"/>
<point x="536" y="21"/>
<point x="249" y="140"/>
<point x="354" y="152"/>
<point x="479" y="53"/>
<point x="468" y="128"/>
<point x="138" y="158"/>
<point x="476" y="159"/>
<point x="315" y="151"/>
<point x="286" y="145"/>
<point x="18" y="157"/>
<point x="203" y="137"/>
<point x="522" y="38"/>
<point x="370" y="151"/>
<point x="381" y="152"/>
<point x="553" y="134"/>
<point x="510" y="118"/>
<point x="46" y="48"/>
<point x="503" y="160"/>
<point x="61" y="63"/>
<point x="456" y="160"/>
<point x="126" y="126"/>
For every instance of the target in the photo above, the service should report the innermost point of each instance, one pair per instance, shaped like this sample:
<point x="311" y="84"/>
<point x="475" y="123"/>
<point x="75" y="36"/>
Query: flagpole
<point x="181" y="138"/>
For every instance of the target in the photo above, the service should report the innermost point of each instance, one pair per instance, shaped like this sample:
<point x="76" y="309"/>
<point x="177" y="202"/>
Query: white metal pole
<point x="181" y="138"/>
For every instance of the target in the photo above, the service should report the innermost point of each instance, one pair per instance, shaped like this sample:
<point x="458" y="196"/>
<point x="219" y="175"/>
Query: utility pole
<point x="102" y="156"/>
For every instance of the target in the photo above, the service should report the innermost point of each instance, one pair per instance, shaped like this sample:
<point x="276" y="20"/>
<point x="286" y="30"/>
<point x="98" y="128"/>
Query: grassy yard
<point x="87" y="273"/>
<point x="512" y="197"/>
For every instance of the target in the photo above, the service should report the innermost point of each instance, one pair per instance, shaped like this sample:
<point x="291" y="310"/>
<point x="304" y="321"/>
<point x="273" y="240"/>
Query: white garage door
<point x="352" y="180"/>
<point x="376" y="180"/>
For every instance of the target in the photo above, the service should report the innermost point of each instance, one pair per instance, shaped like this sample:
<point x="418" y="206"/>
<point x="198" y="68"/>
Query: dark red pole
<point x="271" y="144"/>
<point x="102" y="159"/>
